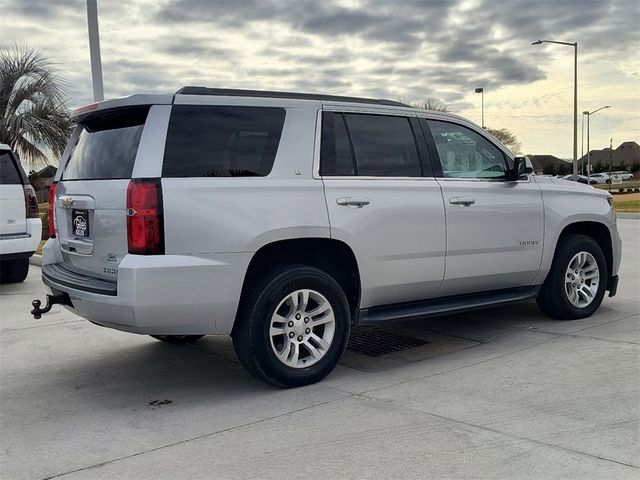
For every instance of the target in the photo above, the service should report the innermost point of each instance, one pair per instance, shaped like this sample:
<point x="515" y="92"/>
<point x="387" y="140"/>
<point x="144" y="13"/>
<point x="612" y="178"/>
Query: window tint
<point x="9" y="174"/>
<point x="107" y="145"/>
<point x="383" y="145"/>
<point x="212" y="141"/>
<point x="335" y="156"/>
<point x="466" y="154"/>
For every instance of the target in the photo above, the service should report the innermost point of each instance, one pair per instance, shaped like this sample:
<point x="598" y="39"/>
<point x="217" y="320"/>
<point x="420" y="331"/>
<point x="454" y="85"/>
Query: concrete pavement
<point x="517" y="396"/>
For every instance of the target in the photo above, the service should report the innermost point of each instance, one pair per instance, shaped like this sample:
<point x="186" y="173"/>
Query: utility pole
<point x="94" y="50"/>
<point x="610" y="160"/>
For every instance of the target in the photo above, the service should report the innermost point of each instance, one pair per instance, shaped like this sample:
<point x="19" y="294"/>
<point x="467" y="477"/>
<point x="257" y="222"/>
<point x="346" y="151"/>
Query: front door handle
<point x="465" y="201"/>
<point x="352" y="202"/>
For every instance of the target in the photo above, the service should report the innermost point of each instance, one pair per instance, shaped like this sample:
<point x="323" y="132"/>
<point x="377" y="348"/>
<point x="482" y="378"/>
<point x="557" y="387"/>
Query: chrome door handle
<point x="462" y="201"/>
<point x="352" y="202"/>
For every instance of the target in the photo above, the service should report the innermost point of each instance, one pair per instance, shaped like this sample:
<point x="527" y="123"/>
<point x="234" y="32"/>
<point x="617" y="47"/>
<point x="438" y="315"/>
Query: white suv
<point x="285" y="219"/>
<point x="20" y="224"/>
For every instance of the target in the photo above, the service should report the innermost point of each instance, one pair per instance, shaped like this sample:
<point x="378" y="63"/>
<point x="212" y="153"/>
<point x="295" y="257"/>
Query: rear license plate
<point x="80" y="223"/>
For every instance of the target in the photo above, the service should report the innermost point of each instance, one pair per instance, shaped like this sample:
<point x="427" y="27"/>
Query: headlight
<point x="610" y="200"/>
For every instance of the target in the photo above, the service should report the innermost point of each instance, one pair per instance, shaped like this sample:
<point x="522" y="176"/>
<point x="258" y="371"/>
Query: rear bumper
<point x="22" y="243"/>
<point x="156" y="295"/>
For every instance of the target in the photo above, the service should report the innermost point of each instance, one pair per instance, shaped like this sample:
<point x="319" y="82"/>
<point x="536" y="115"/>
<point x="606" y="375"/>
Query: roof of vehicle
<point x="231" y="92"/>
<point x="81" y="113"/>
<point x="4" y="146"/>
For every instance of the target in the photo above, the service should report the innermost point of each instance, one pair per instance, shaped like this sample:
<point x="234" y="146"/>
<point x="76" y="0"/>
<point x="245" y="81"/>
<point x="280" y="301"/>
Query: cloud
<point x="412" y="49"/>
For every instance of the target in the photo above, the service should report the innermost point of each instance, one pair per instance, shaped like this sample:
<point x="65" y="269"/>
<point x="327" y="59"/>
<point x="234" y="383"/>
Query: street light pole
<point x="588" y="114"/>
<point x="94" y="50"/>
<point x="575" y="97"/>
<point x="481" y="90"/>
<point x="582" y="145"/>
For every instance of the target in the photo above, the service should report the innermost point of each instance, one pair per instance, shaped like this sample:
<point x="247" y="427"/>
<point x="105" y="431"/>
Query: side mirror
<point x="520" y="167"/>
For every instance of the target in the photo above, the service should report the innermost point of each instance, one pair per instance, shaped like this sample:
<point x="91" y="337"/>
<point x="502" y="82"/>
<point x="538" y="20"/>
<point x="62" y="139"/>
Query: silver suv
<point x="285" y="219"/>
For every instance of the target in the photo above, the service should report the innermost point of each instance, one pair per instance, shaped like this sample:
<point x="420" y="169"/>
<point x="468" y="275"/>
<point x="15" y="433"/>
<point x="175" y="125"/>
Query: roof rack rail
<point x="232" y="92"/>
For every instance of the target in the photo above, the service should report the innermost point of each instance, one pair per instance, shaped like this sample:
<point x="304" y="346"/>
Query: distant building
<point x="549" y="164"/>
<point x="41" y="181"/>
<point x="627" y="155"/>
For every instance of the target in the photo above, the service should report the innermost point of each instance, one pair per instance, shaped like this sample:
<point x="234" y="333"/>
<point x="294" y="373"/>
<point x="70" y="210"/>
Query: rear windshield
<point x="9" y="174"/>
<point x="107" y="145"/>
<point x="213" y="141"/>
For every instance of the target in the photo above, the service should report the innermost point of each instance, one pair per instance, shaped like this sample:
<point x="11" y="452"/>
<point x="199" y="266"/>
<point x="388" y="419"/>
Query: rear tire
<point x="14" y="271"/>
<point x="577" y="281"/>
<point x="292" y="327"/>
<point x="178" y="339"/>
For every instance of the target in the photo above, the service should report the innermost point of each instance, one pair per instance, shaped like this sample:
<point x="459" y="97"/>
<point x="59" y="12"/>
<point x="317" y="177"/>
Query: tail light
<point x="52" y="202"/>
<point x="145" y="226"/>
<point x="30" y="201"/>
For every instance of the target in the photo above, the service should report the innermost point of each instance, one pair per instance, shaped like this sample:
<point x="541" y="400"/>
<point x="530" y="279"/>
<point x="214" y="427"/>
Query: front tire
<point x="577" y="281"/>
<point x="293" y="327"/>
<point x="14" y="271"/>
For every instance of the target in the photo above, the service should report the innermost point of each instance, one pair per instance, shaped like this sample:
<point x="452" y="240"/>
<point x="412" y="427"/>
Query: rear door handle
<point x="465" y="201"/>
<point x="352" y="202"/>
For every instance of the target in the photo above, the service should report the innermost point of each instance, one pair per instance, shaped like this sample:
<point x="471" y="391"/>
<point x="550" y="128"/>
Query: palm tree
<point x="34" y="121"/>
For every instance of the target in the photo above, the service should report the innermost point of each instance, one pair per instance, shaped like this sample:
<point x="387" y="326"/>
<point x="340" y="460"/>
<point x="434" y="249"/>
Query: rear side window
<point x="107" y="145"/>
<point x="215" y="141"/>
<point x="368" y="145"/>
<point x="9" y="174"/>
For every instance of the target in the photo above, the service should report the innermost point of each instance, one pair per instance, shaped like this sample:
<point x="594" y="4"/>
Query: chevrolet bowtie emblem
<point x="67" y="202"/>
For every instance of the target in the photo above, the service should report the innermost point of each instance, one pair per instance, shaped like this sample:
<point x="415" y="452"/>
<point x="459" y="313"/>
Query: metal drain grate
<point x="375" y="343"/>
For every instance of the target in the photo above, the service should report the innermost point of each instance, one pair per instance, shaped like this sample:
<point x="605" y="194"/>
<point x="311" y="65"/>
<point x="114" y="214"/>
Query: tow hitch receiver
<point x="60" y="299"/>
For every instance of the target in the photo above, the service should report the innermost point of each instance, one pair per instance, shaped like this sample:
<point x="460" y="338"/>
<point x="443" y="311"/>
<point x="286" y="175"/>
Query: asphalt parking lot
<point x="500" y="393"/>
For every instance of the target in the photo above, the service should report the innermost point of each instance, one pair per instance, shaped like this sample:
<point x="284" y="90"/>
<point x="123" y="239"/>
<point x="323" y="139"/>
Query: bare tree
<point x="507" y="138"/>
<point x="433" y="104"/>
<point x="34" y="121"/>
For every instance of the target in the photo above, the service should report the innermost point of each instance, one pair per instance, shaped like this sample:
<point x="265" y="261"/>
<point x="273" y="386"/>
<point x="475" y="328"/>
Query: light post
<point x="588" y="114"/>
<point x="575" y="98"/>
<point x="481" y="90"/>
<point x="582" y="145"/>
<point x="94" y="50"/>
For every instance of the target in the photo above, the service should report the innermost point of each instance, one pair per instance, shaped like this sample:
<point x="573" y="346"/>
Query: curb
<point x="628" y="215"/>
<point x="35" y="260"/>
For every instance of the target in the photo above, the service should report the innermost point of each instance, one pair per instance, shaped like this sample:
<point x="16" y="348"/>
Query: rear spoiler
<point x="79" y="114"/>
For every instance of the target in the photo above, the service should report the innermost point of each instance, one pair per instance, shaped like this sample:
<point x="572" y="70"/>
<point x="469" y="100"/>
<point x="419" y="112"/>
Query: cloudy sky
<point x="402" y="49"/>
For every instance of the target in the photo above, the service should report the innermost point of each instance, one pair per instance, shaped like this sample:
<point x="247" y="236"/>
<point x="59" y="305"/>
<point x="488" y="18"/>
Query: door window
<point x="368" y="145"/>
<point x="466" y="154"/>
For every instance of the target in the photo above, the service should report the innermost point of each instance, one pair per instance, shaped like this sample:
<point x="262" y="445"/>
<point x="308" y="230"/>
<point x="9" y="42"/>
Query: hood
<point x="560" y="184"/>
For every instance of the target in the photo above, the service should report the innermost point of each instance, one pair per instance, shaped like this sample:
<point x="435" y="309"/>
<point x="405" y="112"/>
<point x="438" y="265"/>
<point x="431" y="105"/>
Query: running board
<point x="444" y="306"/>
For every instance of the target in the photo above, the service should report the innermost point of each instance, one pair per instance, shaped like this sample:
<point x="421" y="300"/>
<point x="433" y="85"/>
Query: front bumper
<point x="157" y="295"/>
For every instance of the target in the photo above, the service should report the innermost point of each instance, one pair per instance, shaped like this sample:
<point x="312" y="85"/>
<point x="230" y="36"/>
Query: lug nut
<point x="299" y="338"/>
<point x="291" y="334"/>
<point x="290" y="324"/>
<point x="307" y="331"/>
<point x="298" y="316"/>
<point x="306" y="319"/>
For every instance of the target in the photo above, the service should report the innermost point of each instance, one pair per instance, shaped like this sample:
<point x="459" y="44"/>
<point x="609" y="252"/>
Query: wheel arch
<point x="332" y="256"/>
<point x="597" y="231"/>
